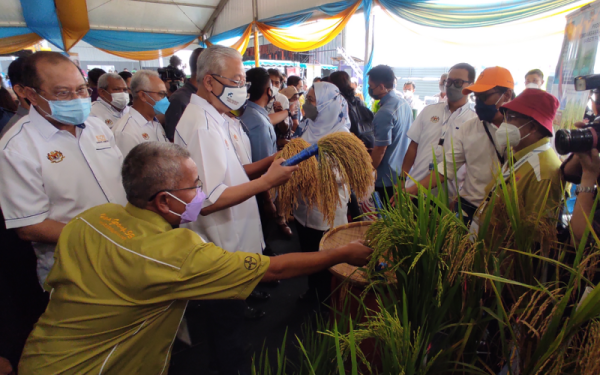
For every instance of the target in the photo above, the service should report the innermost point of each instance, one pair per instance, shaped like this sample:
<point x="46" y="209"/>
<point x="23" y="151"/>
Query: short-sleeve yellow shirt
<point x="118" y="290"/>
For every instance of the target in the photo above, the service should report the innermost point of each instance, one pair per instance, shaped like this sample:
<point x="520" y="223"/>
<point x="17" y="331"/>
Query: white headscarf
<point x="332" y="113"/>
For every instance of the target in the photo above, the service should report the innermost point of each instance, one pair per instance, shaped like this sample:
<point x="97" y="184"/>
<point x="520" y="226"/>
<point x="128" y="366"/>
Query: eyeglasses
<point x="82" y="92"/>
<point x="161" y="94"/>
<point x="197" y="186"/>
<point x="458" y="83"/>
<point x="484" y="97"/>
<point x="238" y="84"/>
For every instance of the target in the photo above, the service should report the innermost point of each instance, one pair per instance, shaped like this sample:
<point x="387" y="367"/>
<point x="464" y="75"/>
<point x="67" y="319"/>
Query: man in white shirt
<point x="474" y="143"/>
<point x="56" y="162"/>
<point x="140" y="124"/>
<point x="433" y="128"/>
<point x="112" y="99"/>
<point x="229" y="217"/>
<point x="409" y="95"/>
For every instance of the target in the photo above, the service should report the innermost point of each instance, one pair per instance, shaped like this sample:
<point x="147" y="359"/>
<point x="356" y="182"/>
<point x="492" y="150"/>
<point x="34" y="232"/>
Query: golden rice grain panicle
<point x="352" y="159"/>
<point x="303" y="180"/>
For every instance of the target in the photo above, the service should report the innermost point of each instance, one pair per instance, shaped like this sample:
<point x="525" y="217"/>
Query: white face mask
<point x="442" y="88"/>
<point x="120" y="100"/>
<point x="233" y="97"/>
<point x="275" y="90"/>
<point x="408" y="94"/>
<point x="532" y="85"/>
<point x="508" y="132"/>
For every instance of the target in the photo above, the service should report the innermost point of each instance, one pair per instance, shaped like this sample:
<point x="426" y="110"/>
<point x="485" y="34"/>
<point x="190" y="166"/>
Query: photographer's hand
<point x="590" y="166"/>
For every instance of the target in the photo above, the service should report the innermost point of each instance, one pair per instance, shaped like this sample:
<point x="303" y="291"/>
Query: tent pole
<point x="256" y="41"/>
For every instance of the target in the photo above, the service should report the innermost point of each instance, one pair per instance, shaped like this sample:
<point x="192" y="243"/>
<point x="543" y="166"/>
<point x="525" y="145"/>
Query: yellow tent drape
<point x="73" y="17"/>
<point x="17" y="43"/>
<point x="285" y="39"/>
<point x="242" y="43"/>
<point x="147" y="55"/>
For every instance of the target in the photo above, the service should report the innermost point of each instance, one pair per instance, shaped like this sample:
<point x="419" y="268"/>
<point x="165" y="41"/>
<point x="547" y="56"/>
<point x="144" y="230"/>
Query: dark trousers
<point x="354" y="208"/>
<point x="222" y="321"/>
<point x="320" y="282"/>
<point x="22" y="299"/>
<point x="468" y="210"/>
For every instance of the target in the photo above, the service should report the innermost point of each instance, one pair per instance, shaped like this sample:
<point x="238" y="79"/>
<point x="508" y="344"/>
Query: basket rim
<point x="342" y="227"/>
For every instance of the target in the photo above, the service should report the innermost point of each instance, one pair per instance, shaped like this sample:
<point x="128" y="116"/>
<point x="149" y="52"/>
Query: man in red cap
<point x="525" y="136"/>
<point x="473" y="144"/>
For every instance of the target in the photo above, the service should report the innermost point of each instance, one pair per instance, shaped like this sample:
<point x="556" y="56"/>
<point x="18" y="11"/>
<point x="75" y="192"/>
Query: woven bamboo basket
<point x="341" y="236"/>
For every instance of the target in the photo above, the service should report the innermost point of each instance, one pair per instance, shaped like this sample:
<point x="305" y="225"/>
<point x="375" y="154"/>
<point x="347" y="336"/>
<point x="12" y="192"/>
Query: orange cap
<point x="490" y="78"/>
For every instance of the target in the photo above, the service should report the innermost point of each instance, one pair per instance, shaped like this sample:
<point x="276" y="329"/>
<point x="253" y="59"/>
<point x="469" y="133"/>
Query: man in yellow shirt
<point x="527" y="129"/>
<point x="123" y="275"/>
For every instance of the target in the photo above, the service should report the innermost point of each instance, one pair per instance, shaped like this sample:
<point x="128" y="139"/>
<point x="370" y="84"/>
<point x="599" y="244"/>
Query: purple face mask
<point x="192" y="209"/>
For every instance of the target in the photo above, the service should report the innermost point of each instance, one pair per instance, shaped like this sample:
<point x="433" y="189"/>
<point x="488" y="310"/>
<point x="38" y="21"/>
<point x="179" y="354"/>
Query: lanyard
<point x="487" y="131"/>
<point x="506" y="170"/>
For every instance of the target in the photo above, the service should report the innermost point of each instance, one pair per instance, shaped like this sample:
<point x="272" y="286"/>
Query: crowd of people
<point x="140" y="193"/>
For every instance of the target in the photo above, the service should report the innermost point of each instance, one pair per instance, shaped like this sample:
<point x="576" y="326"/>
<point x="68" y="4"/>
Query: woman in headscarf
<point x="326" y="112"/>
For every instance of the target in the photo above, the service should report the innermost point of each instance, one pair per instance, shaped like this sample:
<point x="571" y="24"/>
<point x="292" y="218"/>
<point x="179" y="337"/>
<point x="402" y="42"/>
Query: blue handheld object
<point x="301" y="156"/>
<point x="377" y="201"/>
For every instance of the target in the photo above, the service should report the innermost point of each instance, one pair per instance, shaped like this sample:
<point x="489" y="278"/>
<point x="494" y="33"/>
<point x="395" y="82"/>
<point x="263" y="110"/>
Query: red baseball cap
<point x="537" y="104"/>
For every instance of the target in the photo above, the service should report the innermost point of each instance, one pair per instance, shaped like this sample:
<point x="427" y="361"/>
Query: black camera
<point x="585" y="139"/>
<point x="171" y="74"/>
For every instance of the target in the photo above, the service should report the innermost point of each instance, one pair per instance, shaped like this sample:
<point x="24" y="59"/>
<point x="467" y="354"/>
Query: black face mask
<point x="372" y="94"/>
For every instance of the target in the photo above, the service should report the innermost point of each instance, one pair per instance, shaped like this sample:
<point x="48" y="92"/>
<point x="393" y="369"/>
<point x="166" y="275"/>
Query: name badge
<point x="102" y="142"/>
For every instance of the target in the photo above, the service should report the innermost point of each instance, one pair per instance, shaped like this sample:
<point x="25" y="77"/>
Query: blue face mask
<point x="160" y="107"/>
<point x="69" y="112"/>
<point x="486" y="112"/>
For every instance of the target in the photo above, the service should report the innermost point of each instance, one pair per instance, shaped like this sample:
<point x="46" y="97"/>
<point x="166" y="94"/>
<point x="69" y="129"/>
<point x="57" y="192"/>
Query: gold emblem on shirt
<point x="108" y="122"/>
<point x="56" y="156"/>
<point x="435" y="119"/>
<point x="115" y="226"/>
<point x="101" y="139"/>
<point x="250" y="263"/>
<point x="146" y="136"/>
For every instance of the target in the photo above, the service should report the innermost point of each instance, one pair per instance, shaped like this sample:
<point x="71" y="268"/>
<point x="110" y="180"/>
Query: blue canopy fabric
<point x="7" y="32"/>
<point x="41" y="18"/>
<point x="126" y="41"/>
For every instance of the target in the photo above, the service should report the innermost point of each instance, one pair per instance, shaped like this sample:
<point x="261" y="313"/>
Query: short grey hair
<point x="141" y="81"/>
<point x="212" y="60"/>
<point x="103" y="80"/>
<point x="151" y="167"/>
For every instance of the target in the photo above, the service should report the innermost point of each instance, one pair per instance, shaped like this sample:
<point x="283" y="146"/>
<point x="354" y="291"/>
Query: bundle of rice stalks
<point x="303" y="180"/>
<point x="343" y="159"/>
<point x="342" y="155"/>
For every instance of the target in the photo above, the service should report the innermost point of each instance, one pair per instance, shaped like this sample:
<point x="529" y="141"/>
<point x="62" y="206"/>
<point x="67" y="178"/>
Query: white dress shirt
<point x="239" y="139"/>
<point x="204" y="132"/>
<point x="435" y="122"/>
<point x="107" y="113"/>
<point x="50" y="174"/>
<point x="473" y="148"/>
<point x="133" y="129"/>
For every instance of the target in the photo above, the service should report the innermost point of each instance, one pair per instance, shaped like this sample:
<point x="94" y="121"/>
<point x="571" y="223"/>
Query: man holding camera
<point x="527" y="131"/>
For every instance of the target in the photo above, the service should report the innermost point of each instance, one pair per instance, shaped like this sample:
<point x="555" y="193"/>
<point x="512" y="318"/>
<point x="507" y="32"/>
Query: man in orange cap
<point x="527" y="131"/>
<point x="474" y="144"/>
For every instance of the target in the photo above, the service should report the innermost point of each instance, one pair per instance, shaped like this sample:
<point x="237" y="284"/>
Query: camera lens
<point x="568" y="141"/>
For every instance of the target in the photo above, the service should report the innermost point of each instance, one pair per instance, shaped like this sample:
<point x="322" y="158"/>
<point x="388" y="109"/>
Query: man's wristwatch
<point x="586" y="189"/>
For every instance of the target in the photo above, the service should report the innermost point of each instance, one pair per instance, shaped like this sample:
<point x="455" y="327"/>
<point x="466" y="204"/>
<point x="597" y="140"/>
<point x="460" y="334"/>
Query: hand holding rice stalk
<point x="341" y="155"/>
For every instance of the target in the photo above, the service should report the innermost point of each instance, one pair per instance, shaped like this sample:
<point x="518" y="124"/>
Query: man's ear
<point x="160" y="203"/>
<point x="207" y="82"/>
<point x="31" y="95"/>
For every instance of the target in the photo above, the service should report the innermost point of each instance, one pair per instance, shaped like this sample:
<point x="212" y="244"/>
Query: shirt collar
<point x="260" y="109"/>
<point x="522" y="153"/>
<point x="204" y="104"/>
<point x="149" y="216"/>
<point x="467" y="105"/>
<point x="107" y="105"/>
<point x="137" y="117"/>
<point x="391" y="94"/>
<point x="46" y="129"/>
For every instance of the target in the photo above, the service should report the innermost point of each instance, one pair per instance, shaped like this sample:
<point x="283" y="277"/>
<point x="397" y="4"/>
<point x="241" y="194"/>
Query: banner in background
<point x="577" y="58"/>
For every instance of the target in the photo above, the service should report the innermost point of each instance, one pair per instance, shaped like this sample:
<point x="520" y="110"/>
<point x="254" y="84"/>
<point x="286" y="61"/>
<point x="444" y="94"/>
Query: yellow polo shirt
<point x="119" y="287"/>
<point x="532" y="180"/>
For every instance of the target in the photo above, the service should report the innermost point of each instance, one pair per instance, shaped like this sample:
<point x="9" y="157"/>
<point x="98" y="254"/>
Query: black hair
<point x="293" y="81"/>
<point x="174" y="61"/>
<point x="125" y="75"/>
<point x="30" y="76"/>
<point x="275" y="72"/>
<point x="94" y="75"/>
<point x="383" y="74"/>
<point x="317" y="79"/>
<point x="194" y="60"/>
<point x="468" y="67"/>
<point x="535" y="71"/>
<point x="260" y="80"/>
<point x="342" y="80"/>
<point x="410" y="83"/>
<point x="15" y="71"/>
<point x="325" y="79"/>
<point x="7" y="101"/>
